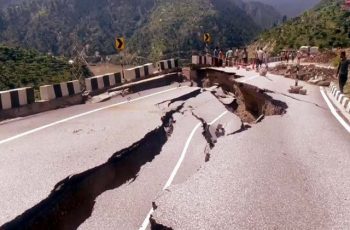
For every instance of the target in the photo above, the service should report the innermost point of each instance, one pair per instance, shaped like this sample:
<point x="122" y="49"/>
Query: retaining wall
<point x="16" y="98"/>
<point x="64" y="89"/>
<point x="139" y="72"/>
<point x="103" y="81"/>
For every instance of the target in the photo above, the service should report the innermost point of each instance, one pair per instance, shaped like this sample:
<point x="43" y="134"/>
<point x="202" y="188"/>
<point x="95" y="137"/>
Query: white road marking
<point x="249" y="79"/>
<point x="177" y="166"/>
<point x="333" y="110"/>
<point x="83" y="114"/>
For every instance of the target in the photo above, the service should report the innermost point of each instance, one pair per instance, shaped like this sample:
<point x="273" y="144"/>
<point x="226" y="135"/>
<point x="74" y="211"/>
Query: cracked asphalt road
<point x="288" y="171"/>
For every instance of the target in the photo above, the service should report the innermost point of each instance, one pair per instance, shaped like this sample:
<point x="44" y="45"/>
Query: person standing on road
<point x="221" y="58"/>
<point x="298" y="57"/>
<point x="216" y="52"/>
<point x="256" y="59"/>
<point x="216" y="56"/>
<point x="286" y="54"/>
<point x="266" y="58"/>
<point x="236" y="57"/>
<point x="260" y="58"/>
<point x="229" y="56"/>
<point x="293" y="56"/>
<point x="245" y="56"/>
<point x="342" y="72"/>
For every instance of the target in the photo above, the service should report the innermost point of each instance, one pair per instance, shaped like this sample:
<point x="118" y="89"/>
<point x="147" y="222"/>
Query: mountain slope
<point x="20" y="67"/>
<point x="179" y="26"/>
<point x="148" y="25"/>
<point x="291" y="8"/>
<point x="55" y="25"/>
<point x="326" y="26"/>
<point x="7" y="3"/>
<point x="263" y="15"/>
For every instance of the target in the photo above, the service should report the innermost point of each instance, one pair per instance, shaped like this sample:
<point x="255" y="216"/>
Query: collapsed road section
<point x="72" y="200"/>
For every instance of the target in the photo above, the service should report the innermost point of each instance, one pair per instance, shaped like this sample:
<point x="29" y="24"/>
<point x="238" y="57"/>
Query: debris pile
<point x="310" y="73"/>
<point x="297" y="90"/>
<point x="263" y="72"/>
<point x="325" y="57"/>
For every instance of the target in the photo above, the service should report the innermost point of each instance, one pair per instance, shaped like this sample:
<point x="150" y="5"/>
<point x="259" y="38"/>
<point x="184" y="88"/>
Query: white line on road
<point x="83" y="114"/>
<point x="249" y="79"/>
<point x="333" y="110"/>
<point x="178" y="164"/>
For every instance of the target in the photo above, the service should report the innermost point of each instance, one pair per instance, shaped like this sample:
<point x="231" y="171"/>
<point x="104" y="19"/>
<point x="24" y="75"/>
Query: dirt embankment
<point x="310" y="73"/>
<point x="327" y="57"/>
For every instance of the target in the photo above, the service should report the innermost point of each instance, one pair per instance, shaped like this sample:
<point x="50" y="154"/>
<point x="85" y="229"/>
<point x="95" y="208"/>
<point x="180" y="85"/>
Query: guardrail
<point x="48" y="93"/>
<point x="16" y="98"/>
<point x="64" y="89"/>
<point x="167" y="64"/>
<point x="103" y="81"/>
<point x="341" y="98"/>
<point x="139" y="72"/>
<point x="207" y="60"/>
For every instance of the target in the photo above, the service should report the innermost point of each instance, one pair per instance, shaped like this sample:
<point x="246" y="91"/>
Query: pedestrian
<point x="293" y="56"/>
<point x="298" y="57"/>
<point x="229" y="57"/>
<point x="260" y="58"/>
<point x="265" y="58"/>
<point x="342" y="72"/>
<point x="221" y="58"/>
<point x="236" y="55"/>
<point x="256" y="59"/>
<point x="216" y="52"/>
<point x="240" y="57"/>
<point x="286" y="56"/>
<point x="245" y="56"/>
<point x="216" y="56"/>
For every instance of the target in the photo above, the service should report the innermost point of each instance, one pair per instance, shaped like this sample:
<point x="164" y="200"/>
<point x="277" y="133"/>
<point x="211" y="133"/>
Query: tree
<point x="284" y="19"/>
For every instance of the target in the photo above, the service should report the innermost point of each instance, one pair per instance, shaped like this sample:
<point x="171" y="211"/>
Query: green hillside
<point x="151" y="27"/>
<point x="20" y="67"/>
<point x="179" y="26"/>
<point x="325" y="26"/>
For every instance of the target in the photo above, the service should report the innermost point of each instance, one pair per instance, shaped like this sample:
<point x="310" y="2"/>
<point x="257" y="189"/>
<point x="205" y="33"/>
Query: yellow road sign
<point x="207" y="38"/>
<point x="120" y="43"/>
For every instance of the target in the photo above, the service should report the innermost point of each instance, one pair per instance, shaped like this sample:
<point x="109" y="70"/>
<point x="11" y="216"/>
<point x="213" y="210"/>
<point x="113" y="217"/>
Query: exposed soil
<point x="311" y="73"/>
<point x="325" y="57"/>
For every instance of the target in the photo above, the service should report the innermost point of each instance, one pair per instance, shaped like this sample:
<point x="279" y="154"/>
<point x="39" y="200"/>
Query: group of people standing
<point x="231" y="56"/>
<point x="240" y="57"/>
<point x="291" y="55"/>
<point x="261" y="57"/>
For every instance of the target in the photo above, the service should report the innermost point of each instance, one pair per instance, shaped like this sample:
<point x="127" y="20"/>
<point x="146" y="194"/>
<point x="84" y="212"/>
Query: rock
<point x="295" y="91"/>
<point x="303" y="92"/>
<point x="324" y="83"/>
<point x="263" y="72"/>
<point x="296" y="87"/>
<point x="227" y="100"/>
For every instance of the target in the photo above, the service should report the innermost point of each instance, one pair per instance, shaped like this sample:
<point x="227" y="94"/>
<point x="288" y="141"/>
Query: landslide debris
<point x="310" y="73"/>
<point x="325" y="57"/>
<point x="248" y="102"/>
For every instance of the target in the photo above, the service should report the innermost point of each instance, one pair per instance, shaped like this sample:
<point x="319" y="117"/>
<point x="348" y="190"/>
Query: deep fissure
<point x="251" y="104"/>
<point x="72" y="200"/>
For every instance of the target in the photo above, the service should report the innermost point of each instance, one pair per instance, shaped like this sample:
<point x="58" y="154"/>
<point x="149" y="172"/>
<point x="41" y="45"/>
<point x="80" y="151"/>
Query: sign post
<point x="207" y="40"/>
<point x="120" y="46"/>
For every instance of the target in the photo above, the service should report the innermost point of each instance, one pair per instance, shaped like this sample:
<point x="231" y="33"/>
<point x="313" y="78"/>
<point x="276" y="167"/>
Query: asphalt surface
<point x="287" y="172"/>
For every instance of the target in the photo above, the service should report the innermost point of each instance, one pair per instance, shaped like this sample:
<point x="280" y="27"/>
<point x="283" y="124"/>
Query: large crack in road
<point x="250" y="103"/>
<point x="72" y="200"/>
